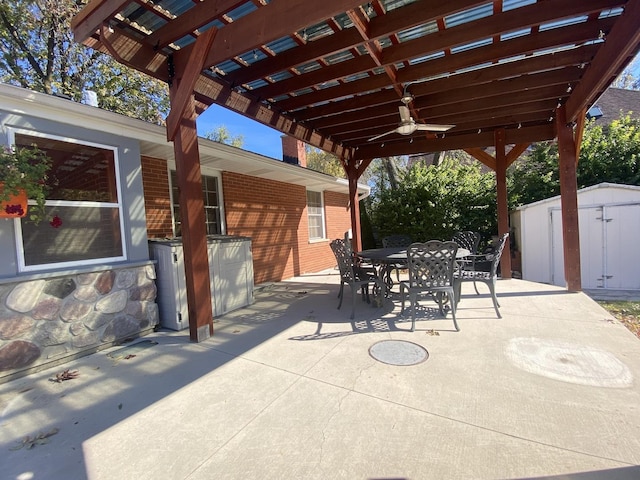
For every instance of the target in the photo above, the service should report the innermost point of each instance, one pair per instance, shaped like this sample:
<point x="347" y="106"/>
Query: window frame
<point x="322" y="216"/>
<point x="22" y="267"/>
<point x="176" y="202"/>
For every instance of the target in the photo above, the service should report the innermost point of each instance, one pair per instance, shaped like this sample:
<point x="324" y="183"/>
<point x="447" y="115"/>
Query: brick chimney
<point x="293" y="151"/>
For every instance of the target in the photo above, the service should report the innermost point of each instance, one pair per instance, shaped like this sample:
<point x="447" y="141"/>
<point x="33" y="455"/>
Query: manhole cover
<point x="569" y="362"/>
<point x="398" y="352"/>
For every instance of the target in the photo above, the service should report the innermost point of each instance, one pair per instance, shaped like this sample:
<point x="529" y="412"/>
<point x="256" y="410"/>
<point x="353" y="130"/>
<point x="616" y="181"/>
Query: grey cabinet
<point x="230" y="276"/>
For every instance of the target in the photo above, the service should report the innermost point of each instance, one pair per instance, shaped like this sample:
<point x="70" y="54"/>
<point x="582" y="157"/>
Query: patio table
<point x="386" y="258"/>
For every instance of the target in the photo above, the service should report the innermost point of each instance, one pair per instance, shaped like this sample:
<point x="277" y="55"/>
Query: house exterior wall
<point x="157" y="202"/>
<point x="274" y="215"/>
<point x="49" y="316"/>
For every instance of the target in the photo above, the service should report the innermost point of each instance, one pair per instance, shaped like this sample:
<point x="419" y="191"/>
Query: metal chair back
<point x="431" y="264"/>
<point x="398" y="240"/>
<point x="468" y="240"/>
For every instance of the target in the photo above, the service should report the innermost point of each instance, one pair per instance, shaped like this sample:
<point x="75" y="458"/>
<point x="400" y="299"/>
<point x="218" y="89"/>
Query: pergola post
<point x="356" y="238"/>
<point x="503" y="208"/>
<point x="568" y="164"/>
<point x="194" y="238"/>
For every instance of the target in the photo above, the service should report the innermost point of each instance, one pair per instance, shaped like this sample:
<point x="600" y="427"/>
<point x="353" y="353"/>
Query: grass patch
<point x="628" y="313"/>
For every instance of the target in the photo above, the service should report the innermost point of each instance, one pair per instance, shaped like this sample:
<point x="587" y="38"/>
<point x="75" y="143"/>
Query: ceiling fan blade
<point x="382" y="134"/>
<point x="433" y="128"/>
<point x="405" y="114"/>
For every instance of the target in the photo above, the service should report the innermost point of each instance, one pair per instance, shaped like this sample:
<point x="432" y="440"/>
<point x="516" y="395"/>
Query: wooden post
<point x="194" y="238"/>
<point x="356" y="240"/>
<point x="569" y="201"/>
<point x="503" y="207"/>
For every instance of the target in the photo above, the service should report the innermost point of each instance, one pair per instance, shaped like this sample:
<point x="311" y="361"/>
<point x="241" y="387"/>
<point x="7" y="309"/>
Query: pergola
<point x="504" y="73"/>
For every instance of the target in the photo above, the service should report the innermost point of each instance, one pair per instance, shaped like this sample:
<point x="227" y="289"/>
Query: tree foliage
<point x="324" y="162"/>
<point x="221" y="134"/>
<point x="38" y="52"/>
<point x="433" y="202"/>
<point x="608" y="153"/>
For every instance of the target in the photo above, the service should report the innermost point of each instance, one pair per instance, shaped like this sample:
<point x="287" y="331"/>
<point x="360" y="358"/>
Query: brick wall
<point x="157" y="204"/>
<point x="274" y="215"/>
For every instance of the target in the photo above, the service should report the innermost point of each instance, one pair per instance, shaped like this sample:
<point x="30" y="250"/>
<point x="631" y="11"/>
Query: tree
<point x="433" y="202"/>
<point x="37" y="51"/>
<point x="629" y="79"/>
<point x="324" y="162"/>
<point x="221" y="134"/>
<point x="608" y="153"/>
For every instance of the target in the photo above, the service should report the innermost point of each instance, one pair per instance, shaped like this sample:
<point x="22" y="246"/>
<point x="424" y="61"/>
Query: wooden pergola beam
<point x="501" y="197"/>
<point x="90" y="18"/>
<point x="454" y="142"/>
<point x="620" y="43"/>
<point x="276" y="20"/>
<point x="189" y="77"/>
<point x="515" y="152"/>
<point x="197" y="16"/>
<point x="482" y="156"/>
<point x="419" y="12"/>
<point x="529" y="44"/>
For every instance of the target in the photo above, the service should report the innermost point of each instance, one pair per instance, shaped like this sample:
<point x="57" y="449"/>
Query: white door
<point x="609" y="249"/>
<point x="557" y="252"/>
<point x="622" y="234"/>
<point x="592" y="247"/>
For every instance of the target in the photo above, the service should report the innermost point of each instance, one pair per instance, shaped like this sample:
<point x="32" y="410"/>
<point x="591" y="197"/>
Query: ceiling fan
<point x="407" y="124"/>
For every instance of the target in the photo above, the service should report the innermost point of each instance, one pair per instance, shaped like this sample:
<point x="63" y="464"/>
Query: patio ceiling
<point x="332" y="73"/>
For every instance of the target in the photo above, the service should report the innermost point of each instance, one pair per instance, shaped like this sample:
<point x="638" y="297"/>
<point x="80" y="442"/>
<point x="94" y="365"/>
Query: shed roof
<point x="603" y="185"/>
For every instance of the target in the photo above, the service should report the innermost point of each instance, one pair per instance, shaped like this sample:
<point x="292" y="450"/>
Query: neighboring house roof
<point x="616" y="100"/>
<point x="153" y="140"/>
<point x="585" y="189"/>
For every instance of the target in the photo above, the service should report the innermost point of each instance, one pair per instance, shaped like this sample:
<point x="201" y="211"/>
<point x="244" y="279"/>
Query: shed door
<point x="592" y="245"/>
<point x="609" y="249"/>
<point x="591" y="248"/>
<point x="622" y="227"/>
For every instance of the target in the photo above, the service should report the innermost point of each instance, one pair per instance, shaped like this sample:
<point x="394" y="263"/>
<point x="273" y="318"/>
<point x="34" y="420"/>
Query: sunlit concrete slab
<point x="288" y="388"/>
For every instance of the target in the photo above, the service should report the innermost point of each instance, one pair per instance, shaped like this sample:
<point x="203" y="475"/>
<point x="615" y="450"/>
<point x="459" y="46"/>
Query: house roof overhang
<point x="153" y="141"/>
<point x="332" y="73"/>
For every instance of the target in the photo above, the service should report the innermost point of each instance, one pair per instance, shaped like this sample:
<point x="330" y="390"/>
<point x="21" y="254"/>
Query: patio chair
<point x="358" y="278"/>
<point x="431" y="268"/>
<point x="480" y="275"/>
<point x="397" y="240"/>
<point x="470" y="241"/>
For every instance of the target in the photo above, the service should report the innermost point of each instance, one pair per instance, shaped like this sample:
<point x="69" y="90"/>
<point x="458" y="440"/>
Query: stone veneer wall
<point x="46" y="321"/>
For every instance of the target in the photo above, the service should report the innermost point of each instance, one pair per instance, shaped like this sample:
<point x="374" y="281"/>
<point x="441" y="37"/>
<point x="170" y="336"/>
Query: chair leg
<point x="476" y="288"/>
<point x="453" y="310"/>
<point x="413" y="299"/>
<point x="496" y="305"/>
<point x="341" y="294"/>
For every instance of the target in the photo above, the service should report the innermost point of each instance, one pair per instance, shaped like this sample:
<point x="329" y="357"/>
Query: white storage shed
<point x="609" y="220"/>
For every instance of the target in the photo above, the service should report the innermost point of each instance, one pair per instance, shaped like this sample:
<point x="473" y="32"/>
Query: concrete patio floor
<point x="287" y="389"/>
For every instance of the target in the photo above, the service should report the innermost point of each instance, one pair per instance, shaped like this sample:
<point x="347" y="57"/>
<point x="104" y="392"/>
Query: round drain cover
<point x="398" y="352"/>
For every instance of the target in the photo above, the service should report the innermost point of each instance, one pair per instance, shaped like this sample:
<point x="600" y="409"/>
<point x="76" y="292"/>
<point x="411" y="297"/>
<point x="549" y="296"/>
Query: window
<point x="212" y="204"/>
<point x="315" y="213"/>
<point x="85" y="196"/>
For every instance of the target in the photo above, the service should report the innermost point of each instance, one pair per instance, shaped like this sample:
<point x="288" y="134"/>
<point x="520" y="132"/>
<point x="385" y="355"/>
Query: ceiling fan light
<point x="407" y="129"/>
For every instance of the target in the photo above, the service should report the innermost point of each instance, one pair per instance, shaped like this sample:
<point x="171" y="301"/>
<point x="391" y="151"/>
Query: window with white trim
<point x="84" y="201"/>
<point x="315" y="214"/>
<point x="212" y="204"/>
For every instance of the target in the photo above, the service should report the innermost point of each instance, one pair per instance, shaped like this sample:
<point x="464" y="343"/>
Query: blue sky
<point x="257" y="137"/>
<point x="264" y="140"/>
